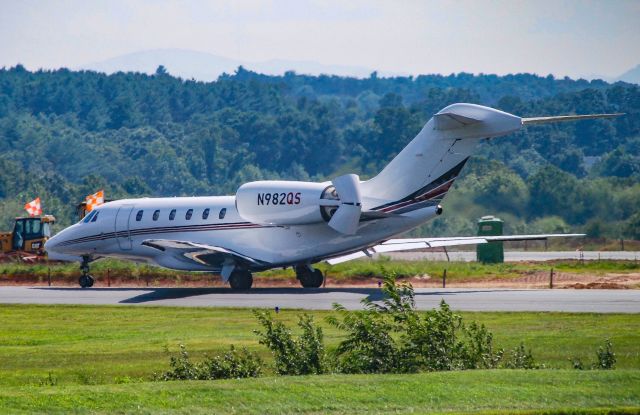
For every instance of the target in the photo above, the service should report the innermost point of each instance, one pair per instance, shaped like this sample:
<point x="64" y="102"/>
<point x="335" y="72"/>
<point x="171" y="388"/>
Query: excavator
<point x="27" y="238"/>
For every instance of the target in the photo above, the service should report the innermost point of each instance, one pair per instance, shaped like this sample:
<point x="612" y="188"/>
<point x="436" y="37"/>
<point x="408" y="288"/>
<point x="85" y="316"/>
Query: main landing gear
<point x="240" y="279"/>
<point x="309" y="277"/>
<point x="85" y="279"/>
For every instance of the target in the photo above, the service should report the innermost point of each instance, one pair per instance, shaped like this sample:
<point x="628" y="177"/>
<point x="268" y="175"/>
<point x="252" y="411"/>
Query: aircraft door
<point x="123" y="233"/>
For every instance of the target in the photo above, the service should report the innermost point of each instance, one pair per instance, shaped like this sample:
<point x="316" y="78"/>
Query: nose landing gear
<point x="85" y="280"/>
<point x="309" y="277"/>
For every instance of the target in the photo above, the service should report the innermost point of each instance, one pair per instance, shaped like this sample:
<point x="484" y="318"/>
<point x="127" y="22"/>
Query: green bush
<point x="181" y="367"/>
<point x="478" y="352"/>
<point x="394" y="337"/>
<point x="606" y="356"/>
<point x="369" y="346"/>
<point x="520" y="358"/>
<point x="302" y="356"/>
<point x="233" y="364"/>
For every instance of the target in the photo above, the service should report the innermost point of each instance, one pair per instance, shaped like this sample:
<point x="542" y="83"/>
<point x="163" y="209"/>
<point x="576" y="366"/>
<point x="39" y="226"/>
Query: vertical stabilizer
<point x="422" y="173"/>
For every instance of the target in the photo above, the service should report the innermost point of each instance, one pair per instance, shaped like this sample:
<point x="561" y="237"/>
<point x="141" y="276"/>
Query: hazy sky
<point x="573" y="37"/>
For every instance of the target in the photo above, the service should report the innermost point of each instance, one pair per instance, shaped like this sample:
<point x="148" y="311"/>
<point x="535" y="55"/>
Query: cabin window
<point x="156" y="215"/>
<point x="95" y="217"/>
<point x="189" y="214"/>
<point x="139" y="216"/>
<point x="172" y="214"/>
<point x="205" y="213"/>
<point x="223" y="212"/>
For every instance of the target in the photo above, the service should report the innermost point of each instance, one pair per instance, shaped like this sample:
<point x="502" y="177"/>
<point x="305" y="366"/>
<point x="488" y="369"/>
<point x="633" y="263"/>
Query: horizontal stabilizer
<point x="560" y="118"/>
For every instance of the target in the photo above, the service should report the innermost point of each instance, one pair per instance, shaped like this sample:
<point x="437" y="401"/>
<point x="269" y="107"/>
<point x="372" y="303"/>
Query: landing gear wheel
<point x="241" y="280"/>
<point x="310" y="278"/>
<point x="86" y="281"/>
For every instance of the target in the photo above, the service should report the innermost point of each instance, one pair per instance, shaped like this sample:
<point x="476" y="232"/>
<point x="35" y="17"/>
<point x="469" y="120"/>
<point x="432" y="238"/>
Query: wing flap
<point x="200" y="253"/>
<point x="408" y="244"/>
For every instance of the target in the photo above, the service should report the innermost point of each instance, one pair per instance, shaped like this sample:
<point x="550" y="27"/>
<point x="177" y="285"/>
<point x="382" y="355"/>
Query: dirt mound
<point x="597" y="286"/>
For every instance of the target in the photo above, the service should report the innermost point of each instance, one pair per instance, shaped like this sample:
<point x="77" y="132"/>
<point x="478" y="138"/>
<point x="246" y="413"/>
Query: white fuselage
<point x="117" y="233"/>
<point x="293" y="230"/>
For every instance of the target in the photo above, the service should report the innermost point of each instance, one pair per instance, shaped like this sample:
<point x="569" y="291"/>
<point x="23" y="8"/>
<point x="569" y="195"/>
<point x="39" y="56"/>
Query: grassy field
<point x="101" y="359"/>
<point x="99" y="344"/>
<point x="562" y="391"/>
<point x="128" y="272"/>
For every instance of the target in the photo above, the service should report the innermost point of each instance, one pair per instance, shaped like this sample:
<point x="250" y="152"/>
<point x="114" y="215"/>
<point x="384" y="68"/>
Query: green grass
<point x="105" y="344"/>
<point x="498" y="391"/>
<point x="100" y="359"/>
<point x="360" y="269"/>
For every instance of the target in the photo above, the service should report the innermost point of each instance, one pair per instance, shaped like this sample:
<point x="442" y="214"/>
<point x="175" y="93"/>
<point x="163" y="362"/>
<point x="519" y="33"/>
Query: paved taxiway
<point x="601" y="301"/>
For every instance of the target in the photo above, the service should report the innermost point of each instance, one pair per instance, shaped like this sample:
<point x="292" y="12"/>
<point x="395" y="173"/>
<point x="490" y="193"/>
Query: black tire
<point x="313" y="279"/>
<point x="91" y="281"/>
<point x="85" y="281"/>
<point x="240" y="280"/>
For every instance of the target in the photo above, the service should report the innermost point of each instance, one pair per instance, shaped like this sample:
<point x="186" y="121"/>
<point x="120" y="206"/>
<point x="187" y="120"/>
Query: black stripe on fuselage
<point x="163" y="229"/>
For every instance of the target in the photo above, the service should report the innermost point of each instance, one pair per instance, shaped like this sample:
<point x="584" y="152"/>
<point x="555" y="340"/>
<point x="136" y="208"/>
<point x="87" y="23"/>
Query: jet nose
<point x="52" y="243"/>
<point x="56" y="250"/>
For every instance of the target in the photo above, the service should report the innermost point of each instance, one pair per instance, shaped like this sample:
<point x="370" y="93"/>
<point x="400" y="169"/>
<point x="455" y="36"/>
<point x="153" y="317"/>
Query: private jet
<point x="280" y="224"/>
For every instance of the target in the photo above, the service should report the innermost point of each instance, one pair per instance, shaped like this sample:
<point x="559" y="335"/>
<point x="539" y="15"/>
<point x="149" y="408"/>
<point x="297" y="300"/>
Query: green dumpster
<point x="492" y="252"/>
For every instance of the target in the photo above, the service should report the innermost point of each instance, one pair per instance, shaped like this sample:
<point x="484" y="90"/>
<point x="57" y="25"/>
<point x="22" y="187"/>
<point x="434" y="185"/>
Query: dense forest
<point x="66" y="134"/>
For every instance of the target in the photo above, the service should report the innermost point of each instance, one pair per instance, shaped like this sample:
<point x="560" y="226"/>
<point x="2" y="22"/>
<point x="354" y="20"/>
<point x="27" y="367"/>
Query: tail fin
<point x="422" y="173"/>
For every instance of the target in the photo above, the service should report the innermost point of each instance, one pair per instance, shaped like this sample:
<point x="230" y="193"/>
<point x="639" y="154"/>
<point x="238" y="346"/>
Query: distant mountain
<point x="632" y="76"/>
<point x="202" y="66"/>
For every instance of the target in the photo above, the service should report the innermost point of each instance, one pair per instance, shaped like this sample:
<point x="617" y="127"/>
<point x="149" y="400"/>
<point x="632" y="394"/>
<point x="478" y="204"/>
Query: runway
<point x="597" y="301"/>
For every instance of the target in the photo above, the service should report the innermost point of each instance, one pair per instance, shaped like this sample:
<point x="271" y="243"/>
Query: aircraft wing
<point x="394" y="245"/>
<point x="208" y="255"/>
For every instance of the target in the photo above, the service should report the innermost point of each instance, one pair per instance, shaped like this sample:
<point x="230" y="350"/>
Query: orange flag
<point x="94" y="200"/>
<point x="34" y="207"/>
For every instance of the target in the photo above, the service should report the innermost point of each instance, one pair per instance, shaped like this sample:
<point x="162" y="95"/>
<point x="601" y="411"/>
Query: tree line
<point x="65" y="134"/>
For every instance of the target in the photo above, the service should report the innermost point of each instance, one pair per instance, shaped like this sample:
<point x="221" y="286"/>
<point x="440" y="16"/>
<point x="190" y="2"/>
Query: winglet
<point x="560" y="118"/>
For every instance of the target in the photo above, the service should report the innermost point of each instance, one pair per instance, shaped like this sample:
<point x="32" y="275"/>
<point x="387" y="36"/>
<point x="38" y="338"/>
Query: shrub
<point x="181" y="367"/>
<point x="232" y="364"/>
<point x="606" y="356"/>
<point x="302" y="356"/>
<point x="478" y="352"/>
<point x="369" y="346"/>
<point x="394" y="337"/>
<point x="432" y="341"/>
<point x="520" y="358"/>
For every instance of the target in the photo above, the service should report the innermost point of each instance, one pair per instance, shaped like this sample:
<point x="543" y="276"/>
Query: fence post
<point x="551" y="278"/>
<point x="49" y="275"/>
<point x="108" y="277"/>
<point x="444" y="278"/>
<point x="621" y="244"/>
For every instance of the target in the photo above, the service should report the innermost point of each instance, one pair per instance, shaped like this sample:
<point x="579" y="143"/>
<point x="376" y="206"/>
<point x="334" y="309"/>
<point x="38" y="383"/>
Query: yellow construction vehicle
<point x="28" y="236"/>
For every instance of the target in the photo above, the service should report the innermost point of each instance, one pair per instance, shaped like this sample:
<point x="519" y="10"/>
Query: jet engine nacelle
<point x="286" y="202"/>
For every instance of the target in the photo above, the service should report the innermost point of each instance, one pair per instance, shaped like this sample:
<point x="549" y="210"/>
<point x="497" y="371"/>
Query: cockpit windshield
<point x="89" y="216"/>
